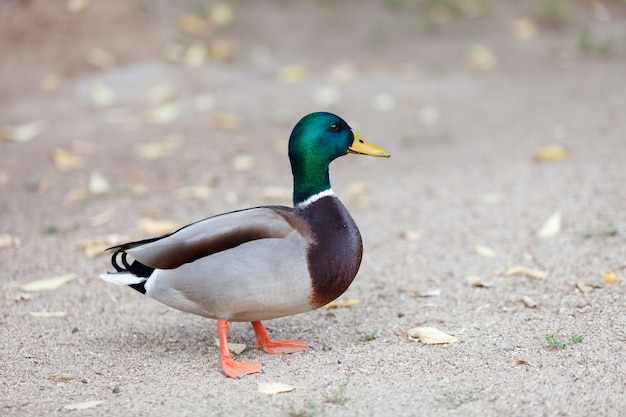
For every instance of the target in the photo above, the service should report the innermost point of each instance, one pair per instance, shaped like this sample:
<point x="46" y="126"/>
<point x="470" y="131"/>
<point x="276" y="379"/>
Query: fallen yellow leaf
<point x="101" y="59"/>
<point x="23" y="132"/>
<point x="221" y="15"/>
<point x="609" y="278"/>
<point x="292" y="74"/>
<point x="45" y="284"/>
<point x="227" y="122"/>
<point x="485" y="251"/>
<point x="410" y="235"/>
<point x="158" y="149"/>
<point x="550" y="153"/>
<point x="585" y="288"/>
<point x="8" y="241"/>
<point x="67" y="161"/>
<point x="199" y="192"/>
<point x="193" y="24"/>
<point x="551" y="227"/>
<point x="76" y="6"/>
<point x="273" y="388"/>
<point x="431" y="336"/>
<point x="529" y="302"/>
<point x="195" y="56"/>
<point x="47" y="314"/>
<point x="529" y="272"/>
<point x="340" y="304"/>
<point x="220" y="50"/>
<point x="50" y="82"/>
<point x="163" y="114"/>
<point x="102" y="95"/>
<point x="480" y="57"/>
<point x="235" y="348"/>
<point x="157" y="227"/>
<point x="243" y="163"/>
<point x="98" y="184"/>
<point x="82" y="406"/>
<point x="274" y="193"/>
<point x="159" y="93"/>
<point x="524" y="29"/>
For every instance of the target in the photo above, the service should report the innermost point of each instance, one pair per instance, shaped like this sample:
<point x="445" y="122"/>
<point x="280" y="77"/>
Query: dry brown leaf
<point x="551" y="227"/>
<point x="476" y="282"/>
<point x="221" y="15"/>
<point x="66" y="161"/>
<point x="4" y="176"/>
<point x="97" y="246"/>
<point x="585" y="288"/>
<point x="243" y="163"/>
<point x="62" y="378"/>
<point x="23" y="132"/>
<point x="163" y="114"/>
<point x="485" y="251"/>
<point x="529" y="272"/>
<point x="529" y="302"/>
<point x="410" y="235"/>
<point x="102" y="95"/>
<point x="430" y="293"/>
<point x="193" y="24"/>
<point x="351" y="302"/>
<point x="524" y="29"/>
<point x="8" y="240"/>
<point x="45" y="284"/>
<point x="342" y="73"/>
<point x="199" y="192"/>
<point x="275" y="193"/>
<point x="82" y="406"/>
<point x="609" y="278"/>
<point x="273" y="388"/>
<point x="102" y="217"/>
<point x="158" y="149"/>
<point x="235" y="348"/>
<point x="157" y="227"/>
<point x="101" y="59"/>
<point x="292" y="74"/>
<point x="220" y="50"/>
<point x="521" y="362"/>
<point x="76" y="6"/>
<point x="159" y="93"/>
<point x="78" y="194"/>
<point x="227" y="122"/>
<point x="480" y="57"/>
<point x="98" y="184"/>
<point x="431" y="336"/>
<point x="195" y="56"/>
<point x="550" y="153"/>
<point x="50" y="82"/>
<point x="47" y="314"/>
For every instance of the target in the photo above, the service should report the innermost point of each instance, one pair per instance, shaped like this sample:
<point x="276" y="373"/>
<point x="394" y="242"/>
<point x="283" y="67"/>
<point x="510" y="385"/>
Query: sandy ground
<point x="462" y="174"/>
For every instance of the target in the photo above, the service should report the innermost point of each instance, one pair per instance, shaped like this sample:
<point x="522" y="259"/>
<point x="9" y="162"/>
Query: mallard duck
<point x="264" y="262"/>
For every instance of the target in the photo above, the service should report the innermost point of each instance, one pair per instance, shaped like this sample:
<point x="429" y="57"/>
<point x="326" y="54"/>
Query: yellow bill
<point x="359" y="146"/>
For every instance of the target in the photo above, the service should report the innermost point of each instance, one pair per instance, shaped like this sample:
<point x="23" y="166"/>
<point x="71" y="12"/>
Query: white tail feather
<point x="122" y="278"/>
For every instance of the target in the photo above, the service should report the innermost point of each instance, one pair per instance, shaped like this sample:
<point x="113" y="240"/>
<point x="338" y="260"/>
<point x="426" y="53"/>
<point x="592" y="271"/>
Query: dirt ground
<point x="463" y="94"/>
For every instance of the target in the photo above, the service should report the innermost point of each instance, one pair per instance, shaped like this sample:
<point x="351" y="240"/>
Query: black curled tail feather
<point x="119" y="260"/>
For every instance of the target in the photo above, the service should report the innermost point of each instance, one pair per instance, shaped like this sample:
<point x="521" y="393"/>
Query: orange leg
<point x="276" y="347"/>
<point x="230" y="367"/>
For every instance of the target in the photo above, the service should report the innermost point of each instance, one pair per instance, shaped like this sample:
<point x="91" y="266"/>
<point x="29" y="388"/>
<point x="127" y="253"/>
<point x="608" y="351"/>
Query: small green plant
<point x="556" y="342"/>
<point x="369" y="336"/>
<point x="311" y="410"/>
<point x="340" y="396"/>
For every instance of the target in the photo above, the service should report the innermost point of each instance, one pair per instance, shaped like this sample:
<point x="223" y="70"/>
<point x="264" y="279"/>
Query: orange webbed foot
<point x="230" y="367"/>
<point x="238" y="370"/>
<point x="276" y="347"/>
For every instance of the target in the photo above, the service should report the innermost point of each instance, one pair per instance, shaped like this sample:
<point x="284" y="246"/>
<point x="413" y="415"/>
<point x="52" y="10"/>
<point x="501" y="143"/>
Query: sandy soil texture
<point x="120" y="120"/>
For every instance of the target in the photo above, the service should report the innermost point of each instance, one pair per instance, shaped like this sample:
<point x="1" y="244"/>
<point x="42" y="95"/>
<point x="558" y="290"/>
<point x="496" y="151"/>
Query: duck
<point x="264" y="262"/>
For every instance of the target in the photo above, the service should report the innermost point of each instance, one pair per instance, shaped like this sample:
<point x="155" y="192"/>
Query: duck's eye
<point x="334" y="128"/>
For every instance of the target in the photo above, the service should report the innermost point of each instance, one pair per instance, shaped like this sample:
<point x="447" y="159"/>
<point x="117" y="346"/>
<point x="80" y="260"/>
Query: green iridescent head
<point x="315" y="142"/>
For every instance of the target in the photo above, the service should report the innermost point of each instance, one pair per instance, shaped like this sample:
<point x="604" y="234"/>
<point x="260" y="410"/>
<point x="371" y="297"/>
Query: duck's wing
<point x="214" y="234"/>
